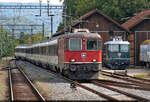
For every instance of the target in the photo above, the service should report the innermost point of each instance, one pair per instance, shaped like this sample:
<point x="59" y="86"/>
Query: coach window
<point x="49" y="49"/>
<point x="41" y="50"/>
<point x="91" y="44"/>
<point x="75" y="44"/>
<point x="44" y="50"/>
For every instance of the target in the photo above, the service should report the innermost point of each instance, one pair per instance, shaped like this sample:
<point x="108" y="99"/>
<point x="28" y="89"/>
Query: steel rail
<point x="78" y="84"/>
<point x="126" y="86"/>
<point x="127" y="79"/>
<point x="122" y="92"/>
<point x="85" y="87"/>
<point x="146" y="80"/>
<point x="111" y="81"/>
<point x="31" y="84"/>
<point x="10" y="85"/>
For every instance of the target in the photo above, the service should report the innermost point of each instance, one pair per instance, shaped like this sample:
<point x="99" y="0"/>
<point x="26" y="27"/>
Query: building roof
<point x="136" y="19"/>
<point x="85" y="16"/>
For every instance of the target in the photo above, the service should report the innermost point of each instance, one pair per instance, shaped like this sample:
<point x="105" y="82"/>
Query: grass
<point x="1" y="63"/>
<point x="103" y="77"/>
<point x="143" y="75"/>
<point x="1" y="73"/>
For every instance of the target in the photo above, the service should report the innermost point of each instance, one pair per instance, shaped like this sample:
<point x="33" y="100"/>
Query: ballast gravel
<point x="53" y="87"/>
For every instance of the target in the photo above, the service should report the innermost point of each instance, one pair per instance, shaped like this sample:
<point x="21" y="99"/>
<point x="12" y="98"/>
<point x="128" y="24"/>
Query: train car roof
<point x="117" y="40"/>
<point x="54" y="40"/>
<point x="82" y="34"/>
<point x="22" y="46"/>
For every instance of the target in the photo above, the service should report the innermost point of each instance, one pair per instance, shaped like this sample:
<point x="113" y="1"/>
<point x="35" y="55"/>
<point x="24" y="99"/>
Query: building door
<point x="140" y="36"/>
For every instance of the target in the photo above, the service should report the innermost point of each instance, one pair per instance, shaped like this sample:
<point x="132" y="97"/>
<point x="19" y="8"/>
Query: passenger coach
<point x="77" y="55"/>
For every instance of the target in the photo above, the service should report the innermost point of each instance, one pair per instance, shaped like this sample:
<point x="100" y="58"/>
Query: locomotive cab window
<point x="91" y="44"/>
<point x="75" y="44"/>
<point x="113" y="48"/>
<point x="124" y="48"/>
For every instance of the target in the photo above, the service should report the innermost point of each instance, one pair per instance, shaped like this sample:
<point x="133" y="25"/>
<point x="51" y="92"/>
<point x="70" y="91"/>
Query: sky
<point x="34" y="1"/>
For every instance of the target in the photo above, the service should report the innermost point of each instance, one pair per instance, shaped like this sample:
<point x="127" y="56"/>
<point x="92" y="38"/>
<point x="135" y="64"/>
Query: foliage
<point x="10" y="42"/>
<point x="119" y="10"/>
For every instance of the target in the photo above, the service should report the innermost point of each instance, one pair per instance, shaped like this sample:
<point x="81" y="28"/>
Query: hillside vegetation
<point x="119" y="10"/>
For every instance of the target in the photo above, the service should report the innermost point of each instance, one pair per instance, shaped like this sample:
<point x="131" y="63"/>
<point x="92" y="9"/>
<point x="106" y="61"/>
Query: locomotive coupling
<point x="73" y="68"/>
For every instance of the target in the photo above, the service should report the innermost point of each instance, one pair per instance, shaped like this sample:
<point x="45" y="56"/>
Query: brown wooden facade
<point x="98" y="23"/>
<point x="139" y="27"/>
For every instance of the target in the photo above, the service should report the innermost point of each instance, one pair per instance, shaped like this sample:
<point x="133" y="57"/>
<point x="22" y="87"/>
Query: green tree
<point x="22" y="38"/>
<point x="118" y="10"/>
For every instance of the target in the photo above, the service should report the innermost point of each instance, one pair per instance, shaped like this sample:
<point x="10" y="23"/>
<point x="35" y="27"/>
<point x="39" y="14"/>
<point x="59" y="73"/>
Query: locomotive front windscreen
<point x="118" y="50"/>
<point x="124" y="48"/>
<point x="75" y="44"/>
<point x="113" y="48"/>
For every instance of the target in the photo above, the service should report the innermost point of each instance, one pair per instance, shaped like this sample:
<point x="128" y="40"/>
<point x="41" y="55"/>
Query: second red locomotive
<point x="77" y="55"/>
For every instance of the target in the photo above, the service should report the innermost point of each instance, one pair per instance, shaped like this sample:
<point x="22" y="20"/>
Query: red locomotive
<point x="77" y="55"/>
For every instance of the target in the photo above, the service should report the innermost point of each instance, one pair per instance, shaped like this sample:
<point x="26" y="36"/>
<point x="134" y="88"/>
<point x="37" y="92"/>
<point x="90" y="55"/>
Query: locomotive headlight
<point x="94" y="60"/>
<point x="72" y="60"/>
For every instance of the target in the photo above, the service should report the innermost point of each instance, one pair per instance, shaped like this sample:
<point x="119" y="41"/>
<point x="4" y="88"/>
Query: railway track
<point x="101" y="94"/>
<point x="21" y="88"/>
<point x="98" y="83"/>
<point x="137" y="81"/>
<point x="123" y="84"/>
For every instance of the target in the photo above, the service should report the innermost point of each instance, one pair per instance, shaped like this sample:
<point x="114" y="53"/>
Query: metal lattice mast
<point x="1" y="42"/>
<point x="64" y="9"/>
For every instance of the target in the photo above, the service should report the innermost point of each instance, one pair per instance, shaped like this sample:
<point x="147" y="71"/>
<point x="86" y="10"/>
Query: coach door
<point x="61" y="51"/>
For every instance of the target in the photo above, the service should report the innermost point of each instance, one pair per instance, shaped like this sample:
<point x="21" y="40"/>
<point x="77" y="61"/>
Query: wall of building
<point x="141" y="33"/>
<point x="98" y="23"/>
<point x="131" y="40"/>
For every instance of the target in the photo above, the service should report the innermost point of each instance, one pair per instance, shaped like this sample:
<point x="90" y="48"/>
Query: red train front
<point x="80" y="54"/>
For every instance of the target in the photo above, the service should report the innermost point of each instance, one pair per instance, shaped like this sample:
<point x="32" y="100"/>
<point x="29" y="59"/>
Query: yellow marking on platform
<point x="142" y="75"/>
